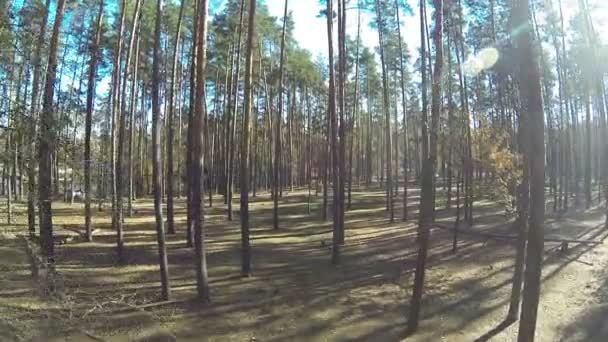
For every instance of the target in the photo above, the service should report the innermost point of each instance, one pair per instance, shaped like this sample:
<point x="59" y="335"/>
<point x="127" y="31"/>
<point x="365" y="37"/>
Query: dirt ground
<point x="295" y="294"/>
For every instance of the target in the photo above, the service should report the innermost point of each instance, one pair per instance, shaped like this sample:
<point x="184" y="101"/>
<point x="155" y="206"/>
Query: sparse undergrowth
<point x="294" y="293"/>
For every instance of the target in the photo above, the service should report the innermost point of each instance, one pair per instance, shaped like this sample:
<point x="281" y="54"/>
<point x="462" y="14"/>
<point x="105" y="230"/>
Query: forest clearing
<point x="319" y="170"/>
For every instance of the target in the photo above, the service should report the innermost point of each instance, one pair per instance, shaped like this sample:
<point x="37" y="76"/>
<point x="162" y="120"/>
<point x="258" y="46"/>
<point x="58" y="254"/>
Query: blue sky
<point x="311" y="32"/>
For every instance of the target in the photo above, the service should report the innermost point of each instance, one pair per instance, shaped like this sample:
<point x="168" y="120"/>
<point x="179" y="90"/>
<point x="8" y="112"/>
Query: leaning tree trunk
<point x="122" y="117"/>
<point x="427" y="204"/>
<point x="116" y="191"/>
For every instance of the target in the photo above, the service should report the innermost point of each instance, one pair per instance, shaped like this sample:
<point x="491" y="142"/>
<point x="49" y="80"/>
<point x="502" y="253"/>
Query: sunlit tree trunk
<point x="47" y="141"/>
<point x="31" y="147"/>
<point x="132" y="127"/>
<point x="235" y="94"/>
<point x="170" y="129"/>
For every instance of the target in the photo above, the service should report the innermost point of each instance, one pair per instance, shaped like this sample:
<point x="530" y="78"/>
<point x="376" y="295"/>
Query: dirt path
<point x="574" y="300"/>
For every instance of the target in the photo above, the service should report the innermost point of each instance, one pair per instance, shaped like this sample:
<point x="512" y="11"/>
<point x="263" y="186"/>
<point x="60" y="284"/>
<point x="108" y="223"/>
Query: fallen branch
<point x="512" y="237"/>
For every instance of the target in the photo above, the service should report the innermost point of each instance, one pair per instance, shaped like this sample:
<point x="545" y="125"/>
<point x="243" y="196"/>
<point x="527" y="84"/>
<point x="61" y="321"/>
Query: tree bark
<point x="530" y="88"/>
<point x="235" y="94"/>
<point x="244" y="170"/>
<point x="156" y="159"/>
<point x="170" y="134"/>
<point x="198" y="155"/>
<point x="404" y="108"/>
<point x="116" y="191"/>
<point x="31" y="166"/>
<point x="47" y="142"/>
<point x="277" y="137"/>
<point x="387" y="115"/>
<point x="335" y="256"/>
<point x="427" y="204"/>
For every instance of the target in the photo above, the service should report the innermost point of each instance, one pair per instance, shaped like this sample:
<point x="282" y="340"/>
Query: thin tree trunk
<point x="232" y="133"/>
<point x="277" y="137"/>
<point x="116" y="191"/>
<point x="191" y="167"/>
<point x="157" y="162"/>
<point x="170" y="135"/>
<point x="386" y="109"/>
<point x="355" y="114"/>
<point x="404" y="108"/>
<point x="335" y="256"/>
<point x="198" y="153"/>
<point x="244" y="170"/>
<point x="132" y="110"/>
<point x="427" y="204"/>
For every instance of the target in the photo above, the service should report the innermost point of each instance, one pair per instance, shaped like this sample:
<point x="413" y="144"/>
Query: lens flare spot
<point x="484" y="59"/>
<point x="489" y="57"/>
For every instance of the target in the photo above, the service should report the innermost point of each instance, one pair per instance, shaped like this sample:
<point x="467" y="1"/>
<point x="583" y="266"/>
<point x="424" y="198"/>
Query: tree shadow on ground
<point x="295" y="293"/>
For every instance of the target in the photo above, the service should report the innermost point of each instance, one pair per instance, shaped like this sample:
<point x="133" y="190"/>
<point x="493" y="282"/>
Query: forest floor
<point x="295" y="294"/>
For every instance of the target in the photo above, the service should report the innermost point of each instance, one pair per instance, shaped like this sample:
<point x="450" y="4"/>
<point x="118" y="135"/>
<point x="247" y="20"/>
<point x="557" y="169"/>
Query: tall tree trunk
<point x="31" y="148"/>
<point x="121" y="115"/>
<point x="156" y="159"/>
<point x="244" y="170"/>
<point x="404" y="109"/>
<point x="342" y="124"/>
<point x="277" y="137"/>
<point x="335" y="256"/>
<point x="170" y="135"/>
<point x="354" y="115"/>
<point x="530" y="87"/>
<point x="198" y="153"/>
<point x="47" y="141"/>
<point x="132" y="110"/>
<point x="521" y="223"/>
<point x="190" y="161"/>
<point x="386" y="109"/>
<point x="116" y="191"/>
<point x="9" y="152"/>
<point x="235" y="92"/>
<point x="427" y="204"/>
